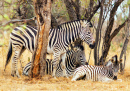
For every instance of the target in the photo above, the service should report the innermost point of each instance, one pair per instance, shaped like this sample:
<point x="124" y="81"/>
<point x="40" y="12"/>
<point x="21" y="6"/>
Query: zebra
<point x="99" y="73"/>
<point x="24" y="37"/>
<point x="28" y="66"/>
<point x="74" y="58"/>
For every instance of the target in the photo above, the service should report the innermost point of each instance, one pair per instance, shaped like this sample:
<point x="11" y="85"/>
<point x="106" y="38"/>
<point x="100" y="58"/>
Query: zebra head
<point x="79" y="55"/>
<point x="113" y="64"/>
<point x="85" y="34"/>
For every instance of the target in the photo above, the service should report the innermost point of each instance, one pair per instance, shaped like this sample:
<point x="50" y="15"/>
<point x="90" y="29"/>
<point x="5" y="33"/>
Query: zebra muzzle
<point x="115" y="78"/>
<point x="92" y="45"/>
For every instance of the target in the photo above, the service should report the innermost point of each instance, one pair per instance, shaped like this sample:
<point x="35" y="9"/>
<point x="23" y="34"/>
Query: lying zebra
<point x="99" y="73"/>
<point x="74" y="58"/>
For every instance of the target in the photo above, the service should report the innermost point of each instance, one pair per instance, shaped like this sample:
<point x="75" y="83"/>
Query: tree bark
<point x="43" y="13"/>
<point x="98" y="30"/>
<point x="70" y="9"/>
<point x="93" y="9"/>
<point x="107" y="41"/>
<point x="47" y="20"/>
<point x="123" y="52"/>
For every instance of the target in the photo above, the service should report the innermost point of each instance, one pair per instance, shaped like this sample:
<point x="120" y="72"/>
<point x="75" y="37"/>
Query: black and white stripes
<point x="99" y="73"/>
<point x="23" y="37"/>
<point x="74" y="58"/>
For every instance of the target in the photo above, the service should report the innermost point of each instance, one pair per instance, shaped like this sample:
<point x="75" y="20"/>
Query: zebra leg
<point x="55" y="62"/>
<point x="15" y="62"/>
<point x="23" y="49"/>
<point x="106" y="79"/>
<point x="87" y="76"/>
<point x="78" y="75"/>
<point x="63" y="65"/>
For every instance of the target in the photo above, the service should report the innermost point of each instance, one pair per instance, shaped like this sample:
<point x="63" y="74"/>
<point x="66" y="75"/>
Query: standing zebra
<point x="99" y="73"/>
<point x="58" y="42"/>
<point x="74" y="58"/>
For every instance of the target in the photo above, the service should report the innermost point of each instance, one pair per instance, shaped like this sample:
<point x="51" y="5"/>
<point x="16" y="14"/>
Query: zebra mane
<point x="88" y="22"/>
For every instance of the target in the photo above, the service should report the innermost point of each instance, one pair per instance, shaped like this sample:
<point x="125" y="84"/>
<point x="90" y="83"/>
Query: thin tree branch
<point x="95" y="8"/>
<point x="117" y="30"/>
<point x="71" y="11"/>
<point x="123" y="52"/>
<point x="17" y="20"/>
<point x="106" y="41"/>
<point x="97" y="42"/>
<point x="112" y="14"/>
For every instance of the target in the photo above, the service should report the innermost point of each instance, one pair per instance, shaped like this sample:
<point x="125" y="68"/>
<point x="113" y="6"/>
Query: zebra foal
<point x="99" y="73"/>
<point x="24" y="37"/>
<point x="74" y="58"/>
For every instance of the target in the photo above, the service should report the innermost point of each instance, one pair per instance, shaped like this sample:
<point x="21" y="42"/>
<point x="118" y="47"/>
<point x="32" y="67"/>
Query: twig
<point x="17" y="20"/>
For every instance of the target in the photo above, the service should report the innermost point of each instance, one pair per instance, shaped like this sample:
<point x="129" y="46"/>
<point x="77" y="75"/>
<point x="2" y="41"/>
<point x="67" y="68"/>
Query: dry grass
<point x="8" y="83"/>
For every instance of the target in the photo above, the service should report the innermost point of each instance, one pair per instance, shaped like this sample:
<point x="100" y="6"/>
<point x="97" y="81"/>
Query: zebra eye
<point x="88" y="32"/>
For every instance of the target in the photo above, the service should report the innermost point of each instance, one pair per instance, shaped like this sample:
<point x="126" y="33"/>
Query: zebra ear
<point x="82" y="23"/>
<point x="90" y="24"/>
<point x="112" y="60"/>
<point x="75" y="49"/>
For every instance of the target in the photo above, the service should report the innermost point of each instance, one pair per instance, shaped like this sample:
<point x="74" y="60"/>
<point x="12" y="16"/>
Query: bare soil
<point x="9" y="83"/>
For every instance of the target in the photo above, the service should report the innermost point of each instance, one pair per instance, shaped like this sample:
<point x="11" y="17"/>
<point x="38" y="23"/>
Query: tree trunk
<point x="70" y="9"/>
<point x="98" y="30"/>
<point x="43" y="13"/>
<point x="47" y="20"/>
<point x="123" y="52"/>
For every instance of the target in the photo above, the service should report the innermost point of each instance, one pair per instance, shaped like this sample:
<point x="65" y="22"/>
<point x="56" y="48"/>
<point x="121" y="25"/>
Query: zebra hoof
<point x="67" y="77"/>
<point x="73" y="80"/>
<point x="55" y="78"/>
<point x="12" y="75"/>
<point x="18" y="76"/>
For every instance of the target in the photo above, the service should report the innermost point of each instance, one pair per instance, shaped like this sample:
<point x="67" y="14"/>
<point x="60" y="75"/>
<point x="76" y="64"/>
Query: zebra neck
<point x="71" y="31"/>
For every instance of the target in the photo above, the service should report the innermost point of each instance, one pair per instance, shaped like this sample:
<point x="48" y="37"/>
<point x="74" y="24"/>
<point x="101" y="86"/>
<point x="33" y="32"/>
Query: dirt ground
<point x="8" y="83"/>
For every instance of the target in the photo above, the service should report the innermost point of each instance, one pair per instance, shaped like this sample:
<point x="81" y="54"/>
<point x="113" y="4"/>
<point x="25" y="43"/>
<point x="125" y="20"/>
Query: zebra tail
<point x="9" y="54"/>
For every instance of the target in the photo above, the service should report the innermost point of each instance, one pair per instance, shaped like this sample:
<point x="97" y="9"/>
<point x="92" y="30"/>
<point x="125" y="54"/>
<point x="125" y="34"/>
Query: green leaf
<point x="6" y="16"/>
<point x="14" y="6"/>
<point x="7" y="27"/>
<point x="1" y="18"/>
<point x="128" y="2"/>
<point x="11" y="24"/>
<point x="1" y="35"/>
<point x="9" y="1"/>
